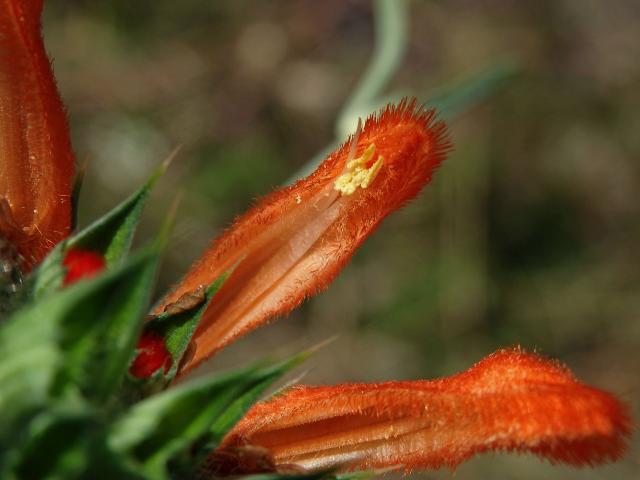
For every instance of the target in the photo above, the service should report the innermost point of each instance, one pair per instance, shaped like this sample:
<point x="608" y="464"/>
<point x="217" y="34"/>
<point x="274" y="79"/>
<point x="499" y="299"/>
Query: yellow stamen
<point x="357" y="174"/>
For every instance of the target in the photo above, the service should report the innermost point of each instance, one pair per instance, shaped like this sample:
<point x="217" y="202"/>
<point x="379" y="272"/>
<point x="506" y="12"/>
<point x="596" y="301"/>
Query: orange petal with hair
<point x="296" y="240"/>
<point x="510" y="401"/>
<point x="36" y="161"/>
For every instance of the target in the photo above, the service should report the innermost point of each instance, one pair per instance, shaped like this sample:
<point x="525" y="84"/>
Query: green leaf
<point x="30" y="360"/>
<point x="453" y="100"/>
<point x="49" y="275"/>
<point x="75" y="194"/>
<point x="80" y="338"/>
<point x="168" y="424"/>
<point x="99" y="329"/>
<point x="178" y="328"/>
<point x="112" y="234"/>
<point x="243" y="403"/>
<point x="83" y="335"/>
<point x="70" y="444"/>
<point x="57" y="447"/>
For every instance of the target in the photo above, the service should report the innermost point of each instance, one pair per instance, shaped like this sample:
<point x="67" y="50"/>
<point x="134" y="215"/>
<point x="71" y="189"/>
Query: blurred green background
<point x="529" y="234"/>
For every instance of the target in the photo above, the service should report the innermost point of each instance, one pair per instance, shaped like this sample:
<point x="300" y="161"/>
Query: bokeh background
<point x="529" y="234"/>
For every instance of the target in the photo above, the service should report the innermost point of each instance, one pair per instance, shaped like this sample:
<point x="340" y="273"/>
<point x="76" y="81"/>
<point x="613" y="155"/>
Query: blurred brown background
<point x="529" y="233"/>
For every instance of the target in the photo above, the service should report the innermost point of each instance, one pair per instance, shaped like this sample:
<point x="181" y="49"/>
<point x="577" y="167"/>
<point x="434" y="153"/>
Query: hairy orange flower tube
<point x="296" y="240"/>
<point x="510" y="401"/>
<point x="36" y="161"/>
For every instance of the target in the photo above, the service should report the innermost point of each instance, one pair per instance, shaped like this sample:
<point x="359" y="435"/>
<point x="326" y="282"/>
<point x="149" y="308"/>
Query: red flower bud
<point x="152" y="356"/>
<point x="82" y="264"/>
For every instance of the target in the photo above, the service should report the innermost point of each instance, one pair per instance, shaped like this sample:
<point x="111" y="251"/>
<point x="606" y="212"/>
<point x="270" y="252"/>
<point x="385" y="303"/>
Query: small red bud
<point x="82" y="264"/>
<point x="152" y="355"/>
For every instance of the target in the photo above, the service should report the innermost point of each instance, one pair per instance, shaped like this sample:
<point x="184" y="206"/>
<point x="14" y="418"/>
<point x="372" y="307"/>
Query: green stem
<point x="391" y="27"/>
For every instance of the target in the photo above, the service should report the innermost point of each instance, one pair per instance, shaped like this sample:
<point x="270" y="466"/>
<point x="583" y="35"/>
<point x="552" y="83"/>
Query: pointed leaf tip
<point x="162" y="239"/>
<point x="112" y="234"/>
<point x="169" y="160"/>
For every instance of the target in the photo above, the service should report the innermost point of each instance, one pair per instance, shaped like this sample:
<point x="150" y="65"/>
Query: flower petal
<point x="36" y="161"/>
<point x="510" y="401"/>
<point x="296" y="240"/>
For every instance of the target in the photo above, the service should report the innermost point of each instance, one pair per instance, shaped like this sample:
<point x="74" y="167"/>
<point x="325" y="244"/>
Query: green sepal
<point x="242" y="404"/>
<point x="166" y="426"/>
<point x="178" y="328"/>
<point x="101" y="324"/>
<point x="239" y="407"/>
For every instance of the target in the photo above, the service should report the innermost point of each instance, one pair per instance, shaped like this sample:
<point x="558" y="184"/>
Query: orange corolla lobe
<point x="295" y="241"/>
<point x="510" y="401"/>
<point x="36" y="161"/>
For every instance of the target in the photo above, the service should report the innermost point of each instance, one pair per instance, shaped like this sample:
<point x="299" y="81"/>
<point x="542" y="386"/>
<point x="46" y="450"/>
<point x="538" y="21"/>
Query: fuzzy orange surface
<point x="294" y="242"/>
<point x="36" y="161"/>
<point x="510" y="401"/>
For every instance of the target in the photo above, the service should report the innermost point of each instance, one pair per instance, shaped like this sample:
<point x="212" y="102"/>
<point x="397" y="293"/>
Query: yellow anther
<point x="357" y="174"/>
<point x="364" y="159"/>
<point x="372" y="172"/>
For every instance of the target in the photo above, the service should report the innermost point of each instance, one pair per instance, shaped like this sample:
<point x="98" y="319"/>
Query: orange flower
<point x="288" y="247"/>
<point x="510" y="401"/>
<point x="296" y="240"/>
<point x="36" y="161"/>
